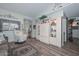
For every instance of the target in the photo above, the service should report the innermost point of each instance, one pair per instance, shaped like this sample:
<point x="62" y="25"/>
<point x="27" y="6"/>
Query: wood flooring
<point x="70" y="49"/>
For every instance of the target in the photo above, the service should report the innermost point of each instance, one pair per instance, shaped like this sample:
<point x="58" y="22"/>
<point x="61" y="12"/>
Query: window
<point x="6" y="25"/>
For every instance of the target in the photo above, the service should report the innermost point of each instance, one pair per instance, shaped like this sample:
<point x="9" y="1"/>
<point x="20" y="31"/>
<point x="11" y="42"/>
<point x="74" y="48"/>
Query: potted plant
<point x="42" y="18"/>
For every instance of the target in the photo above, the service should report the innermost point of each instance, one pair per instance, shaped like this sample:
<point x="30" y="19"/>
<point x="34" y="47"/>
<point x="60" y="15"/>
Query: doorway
<point x="73" y="30"/>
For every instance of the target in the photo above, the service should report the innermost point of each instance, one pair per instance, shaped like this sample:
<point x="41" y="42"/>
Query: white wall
<point x="44" y="32"/>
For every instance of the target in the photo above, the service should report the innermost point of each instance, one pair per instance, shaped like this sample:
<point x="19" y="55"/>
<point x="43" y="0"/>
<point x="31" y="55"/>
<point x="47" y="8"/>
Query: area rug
<point x="27" y="50"/>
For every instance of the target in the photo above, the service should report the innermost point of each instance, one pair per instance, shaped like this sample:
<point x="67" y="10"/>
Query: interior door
<point x="44" y="32"/>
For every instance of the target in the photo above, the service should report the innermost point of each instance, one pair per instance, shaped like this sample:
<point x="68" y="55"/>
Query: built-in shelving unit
<point x="53" y="29"/>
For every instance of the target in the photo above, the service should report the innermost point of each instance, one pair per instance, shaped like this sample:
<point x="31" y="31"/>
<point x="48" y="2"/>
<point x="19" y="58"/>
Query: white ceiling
<point x="72" y="10"/>
<point x="28" y="9"/>
<point x="35" y="9"/>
